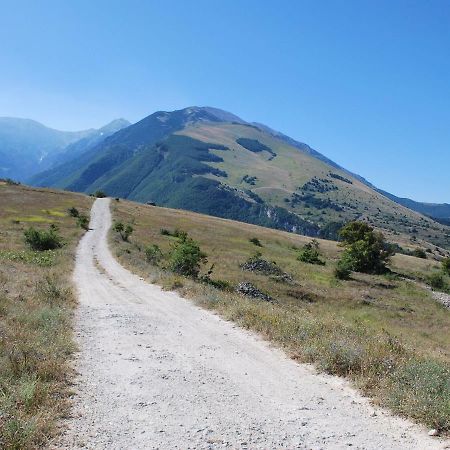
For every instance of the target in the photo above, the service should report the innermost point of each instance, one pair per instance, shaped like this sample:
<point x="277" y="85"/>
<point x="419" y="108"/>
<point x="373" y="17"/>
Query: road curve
<point x="155" y="371"/>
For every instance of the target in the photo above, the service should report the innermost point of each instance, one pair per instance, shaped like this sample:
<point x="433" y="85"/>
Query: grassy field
<point x="36" y="306"/>
<point x="385" y="333"/>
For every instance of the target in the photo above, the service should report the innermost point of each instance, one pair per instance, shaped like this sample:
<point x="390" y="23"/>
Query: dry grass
<point x="380" y="331"/>
<point x="36" y="305"/>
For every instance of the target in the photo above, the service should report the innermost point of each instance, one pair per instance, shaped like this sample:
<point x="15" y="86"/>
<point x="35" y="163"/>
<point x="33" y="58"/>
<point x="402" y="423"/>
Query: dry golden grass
<point x="375" y="329"/>
<point x="36" y="304"/>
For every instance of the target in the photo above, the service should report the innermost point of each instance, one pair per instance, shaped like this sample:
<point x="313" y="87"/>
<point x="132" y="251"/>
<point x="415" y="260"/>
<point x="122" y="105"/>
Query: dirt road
<point x="158" y="372"/>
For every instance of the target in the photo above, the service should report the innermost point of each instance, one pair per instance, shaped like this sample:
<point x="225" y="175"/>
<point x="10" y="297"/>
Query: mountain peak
<point x="220" y="114"/>
<point x="115" y="125"/>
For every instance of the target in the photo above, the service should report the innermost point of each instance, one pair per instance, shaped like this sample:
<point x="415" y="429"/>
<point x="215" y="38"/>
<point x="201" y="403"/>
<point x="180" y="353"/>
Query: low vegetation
<point x="36" y="304"/>
<point x="99" y="194"/>
<point x="186" y="257"/>
<point x="123" y="230"/>
<point x="378" y="328"/>
<point x="446" y="266"/>
<point x="310" y="253"/>
<point x="43" y="239"/>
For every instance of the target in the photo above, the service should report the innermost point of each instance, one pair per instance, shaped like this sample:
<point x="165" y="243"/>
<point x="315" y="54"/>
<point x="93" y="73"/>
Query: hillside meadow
<point x="36" y="306"/>
<point x="384" y="332"/>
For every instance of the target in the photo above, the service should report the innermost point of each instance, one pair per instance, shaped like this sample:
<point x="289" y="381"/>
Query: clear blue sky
<point x="366" y="82"/>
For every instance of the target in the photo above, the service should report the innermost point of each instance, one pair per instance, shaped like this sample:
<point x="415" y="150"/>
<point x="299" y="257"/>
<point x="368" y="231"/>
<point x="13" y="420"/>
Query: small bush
<point x="153" y="254"/>
<point x="83" y="222"/>
<point x="310" y="253"/>
<point x="255" y="241"/>
<point x="436" y="281"/>
<point x="446" y="266"/>
<point x="99" y="194"/>
<point x="180" y="234"/>
<point x="419" y="253"/>
<point x="342" y="271"/>
<point x="43" y="239"/>
<point x="186" y="257"/>
<point x="124" y="230"/>
<point x="73" y="212"/>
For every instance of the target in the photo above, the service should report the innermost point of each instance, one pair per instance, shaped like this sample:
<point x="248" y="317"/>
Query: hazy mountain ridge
<point x="434" y="210"/>
<point x="28" y="147"/>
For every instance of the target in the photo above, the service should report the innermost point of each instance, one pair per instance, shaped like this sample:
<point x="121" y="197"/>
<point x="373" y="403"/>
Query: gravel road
<point x="155" y="371"/>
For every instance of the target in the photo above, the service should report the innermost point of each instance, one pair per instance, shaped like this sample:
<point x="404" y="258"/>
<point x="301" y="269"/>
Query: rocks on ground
<point x="266" y="268"/>
<point x="246" y="288"/>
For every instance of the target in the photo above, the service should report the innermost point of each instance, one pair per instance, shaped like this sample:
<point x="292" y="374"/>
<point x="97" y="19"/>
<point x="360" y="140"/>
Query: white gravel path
<point x="155" y="371"/>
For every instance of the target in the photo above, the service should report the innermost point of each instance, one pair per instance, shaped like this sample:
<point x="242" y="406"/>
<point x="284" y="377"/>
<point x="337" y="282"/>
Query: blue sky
<point x="367" y="83"/>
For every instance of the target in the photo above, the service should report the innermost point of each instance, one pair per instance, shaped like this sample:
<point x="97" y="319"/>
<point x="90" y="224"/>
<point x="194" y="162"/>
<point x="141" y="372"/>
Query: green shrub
<point x="419" y="253"/>
<point x="185" y="257"/>
<point x="310" y="253"/>
<point x="73" y="212"/>
<point x="153" y="254"/>
<point x="43" y="239"/>
<point x="436" y="281"/>
<point x="124" y="230"/>
<point x="180" y="234"/>
<point x="446" y="266"/>
<point x="255" y="241"/>
<point x="83" y="222"/>
<point x="342" y="271"/>
<point x="366" y="250"/>
<point x="99" y="194"/>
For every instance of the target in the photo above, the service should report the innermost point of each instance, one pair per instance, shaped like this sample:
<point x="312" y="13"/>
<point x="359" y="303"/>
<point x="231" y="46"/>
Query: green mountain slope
<point x="210" y="161"/>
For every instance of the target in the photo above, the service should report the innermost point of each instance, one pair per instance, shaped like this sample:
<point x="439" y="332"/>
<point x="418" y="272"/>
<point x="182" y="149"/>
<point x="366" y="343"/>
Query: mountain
<point x="434" y="210"/>
<point x="81" y="146"/>
<point x="210" y="161"/>
<point x="28" y="147"/>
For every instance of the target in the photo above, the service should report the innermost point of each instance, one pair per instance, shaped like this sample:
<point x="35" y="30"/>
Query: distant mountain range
<point x="28" y="147"/>
<point x="435" y="210"/>
<point x="211" y="161"/>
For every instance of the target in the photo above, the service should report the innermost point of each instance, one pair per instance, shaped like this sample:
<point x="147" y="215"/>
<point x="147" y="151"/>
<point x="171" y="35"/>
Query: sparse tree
<point x="185" y="257"/>
<point x="124" y="230"/>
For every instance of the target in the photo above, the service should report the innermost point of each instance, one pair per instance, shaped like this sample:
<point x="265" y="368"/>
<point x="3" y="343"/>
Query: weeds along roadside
<point x="383" y="364"/>
<point x="36" y="308"/>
